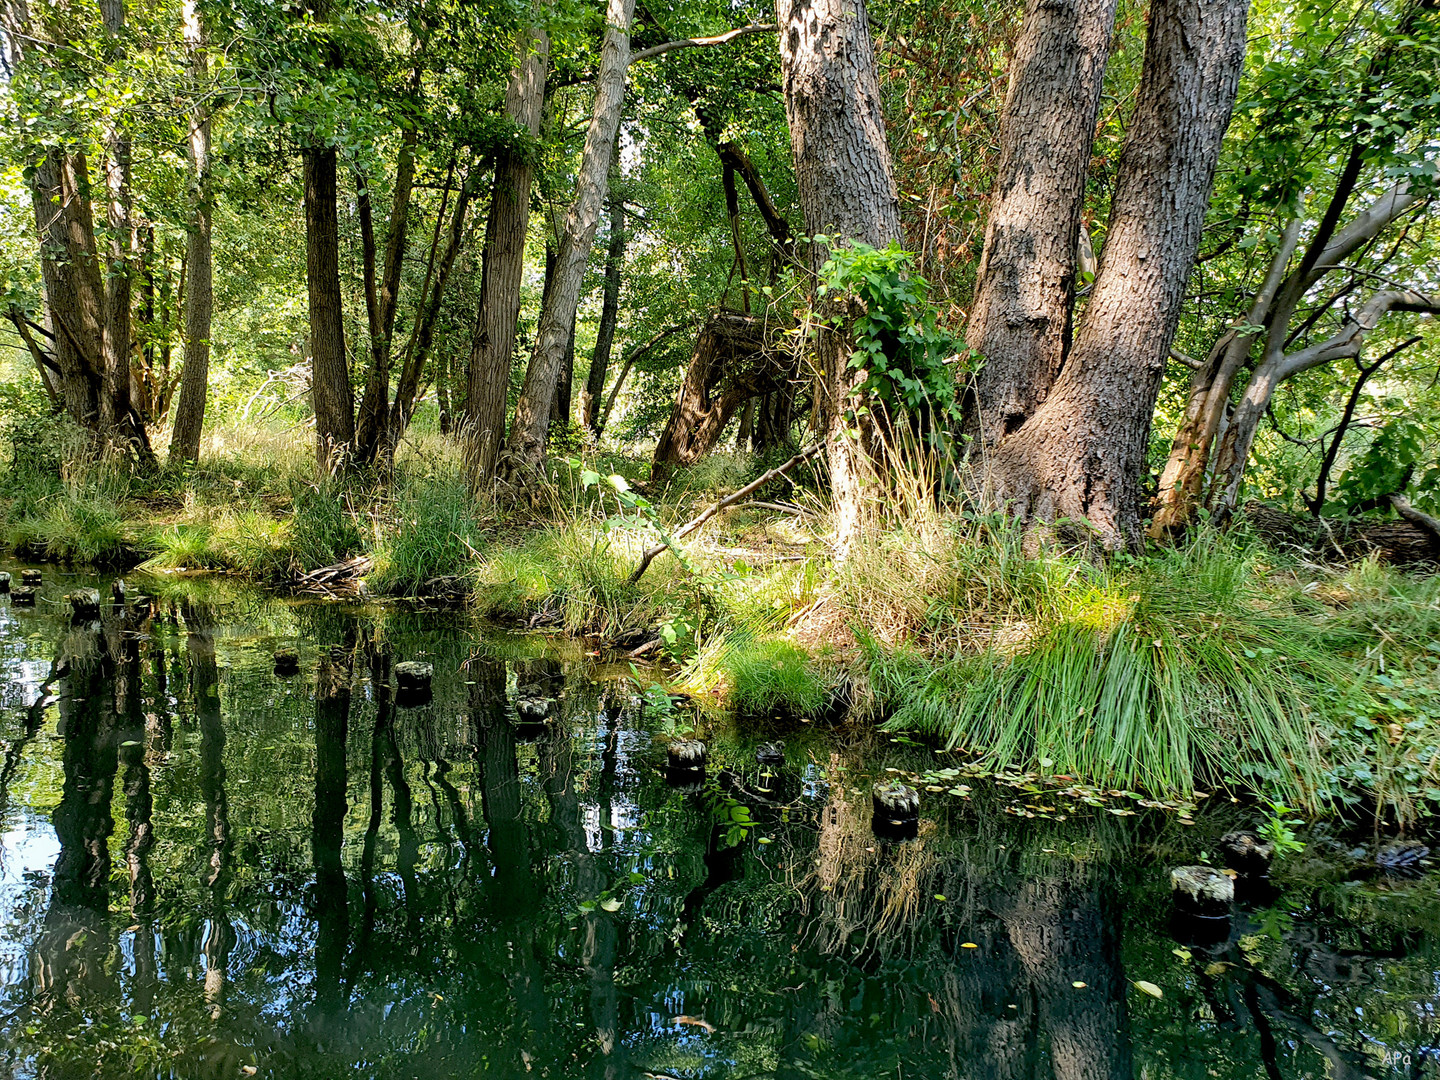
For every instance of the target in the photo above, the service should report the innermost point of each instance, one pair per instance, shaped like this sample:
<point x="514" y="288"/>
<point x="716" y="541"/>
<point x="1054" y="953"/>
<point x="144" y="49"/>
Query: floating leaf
<point x="610" y="904"/>
<point x="1183" y="954"/>
<point x="1078" y="985"/>
<point x="968" y="945"/>
<point x="940" y="897"/>
<point x="1150" y="988"/>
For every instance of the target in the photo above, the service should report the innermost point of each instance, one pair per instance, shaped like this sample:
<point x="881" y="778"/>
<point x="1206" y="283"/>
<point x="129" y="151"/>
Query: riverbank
<point x="1218" y="664"/>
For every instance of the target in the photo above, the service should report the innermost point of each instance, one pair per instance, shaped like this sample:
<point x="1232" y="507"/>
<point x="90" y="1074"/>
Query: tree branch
<point x="694" y="43"/>
<point x="695" y="523"/>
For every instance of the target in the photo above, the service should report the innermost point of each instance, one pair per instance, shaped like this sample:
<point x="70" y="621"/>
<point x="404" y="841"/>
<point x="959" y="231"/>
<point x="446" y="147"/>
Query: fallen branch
<point x="749" y="489"/>
<point x="1415" y="517"/>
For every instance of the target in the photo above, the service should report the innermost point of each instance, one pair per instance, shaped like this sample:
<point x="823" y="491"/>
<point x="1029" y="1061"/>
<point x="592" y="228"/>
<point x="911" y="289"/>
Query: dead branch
<point x="695" y="523"/>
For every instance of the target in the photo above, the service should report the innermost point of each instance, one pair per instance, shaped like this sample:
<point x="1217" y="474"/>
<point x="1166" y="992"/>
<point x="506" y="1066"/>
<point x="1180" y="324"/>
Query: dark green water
<point x="210" y="871"/>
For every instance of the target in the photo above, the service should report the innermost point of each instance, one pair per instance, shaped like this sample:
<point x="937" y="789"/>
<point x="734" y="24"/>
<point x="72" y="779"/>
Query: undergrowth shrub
<point x="1162" y="673"/>
<point x="431" y="531"/>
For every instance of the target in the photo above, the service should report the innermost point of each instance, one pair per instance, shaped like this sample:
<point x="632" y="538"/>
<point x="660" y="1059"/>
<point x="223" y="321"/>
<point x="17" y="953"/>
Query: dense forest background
<point x="995" y="315"/>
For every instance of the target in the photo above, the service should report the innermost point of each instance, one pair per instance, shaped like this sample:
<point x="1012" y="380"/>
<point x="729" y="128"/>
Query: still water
<point x="210" y="870"/>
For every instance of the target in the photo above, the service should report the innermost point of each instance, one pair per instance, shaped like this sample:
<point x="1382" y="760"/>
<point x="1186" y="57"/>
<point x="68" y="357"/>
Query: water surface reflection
<point x="208" y="868"/>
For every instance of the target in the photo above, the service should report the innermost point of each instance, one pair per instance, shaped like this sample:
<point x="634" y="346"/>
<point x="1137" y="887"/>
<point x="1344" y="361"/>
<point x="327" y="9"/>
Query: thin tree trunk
<point x="503" y="267"/>
<point x="1346" y="343"/>
<point x="199" y="298"/>
<point x="413" y="371"/>
<point x="1183" y="478"/>
<point x="1081" y="455"/>
<point x="847" y="191"/>
<point x="732" y="211"/>
<point x="609" y="317"/>
<point x="333" y="399"/>
<point x="1020" y="320"/>
<point x="382" y="297"/>
<point x="115" y="412"/>
<point x="526" y="442"/>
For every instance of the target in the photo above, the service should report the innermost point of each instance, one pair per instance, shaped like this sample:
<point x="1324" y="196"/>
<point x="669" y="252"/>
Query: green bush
<point x="772" y="675"/>
<point x="433" y="531"/>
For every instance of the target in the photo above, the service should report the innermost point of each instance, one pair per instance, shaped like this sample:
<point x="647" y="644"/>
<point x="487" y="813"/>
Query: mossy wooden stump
<point x="1202" y="891"/>
<point x="4" y="583"/>
<point x="1247" y="854"/>
<point x="32" y="578"/>
<point x="117" y="591"/>
<point x="897" y="811"/>
<point x="287" y="662"/>
<point x="685" y="764"/>
<point x="770" y="755"/>
<point x="23" y="597"/>
<point x="84" y="604"/>
<point x="412" y="683"/>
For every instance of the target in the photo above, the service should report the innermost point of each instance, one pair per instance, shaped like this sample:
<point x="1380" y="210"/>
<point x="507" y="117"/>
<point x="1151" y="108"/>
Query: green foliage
<point x="1401" y="455"/>
<point x="1278" y="828"/>
<point x="772" y="675"/>
<point x="908" y="360"/>
<point x="432" y="531"/>
<point x="1169" y="672"/>
<point x="324" y="529"/>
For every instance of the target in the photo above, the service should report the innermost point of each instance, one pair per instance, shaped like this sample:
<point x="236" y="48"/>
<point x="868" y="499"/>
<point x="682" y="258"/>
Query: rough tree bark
<point x="1025" y="287"/>
<point x="847" y="191"/>
<point x="332" y="397"/>
<point x="525" y="446"/>
<point x="199" y="295"/>
<point x="1081" y="455"/>
<point x="609" y="318"/>
<point x="503" y="266"/>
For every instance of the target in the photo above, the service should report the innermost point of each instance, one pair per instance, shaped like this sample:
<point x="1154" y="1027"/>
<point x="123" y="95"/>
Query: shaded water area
<point x="210" y="870"/>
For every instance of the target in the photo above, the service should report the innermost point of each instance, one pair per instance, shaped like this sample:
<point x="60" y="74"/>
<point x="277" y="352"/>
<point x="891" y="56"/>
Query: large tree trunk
<point x="503" y="268"/>
<point x="847" y="191"/>
<point x="71" y="274"/>
<point x="1081" y="455"/>
<point x="526" y="443"/>
<point x="200" y="293"/>
<point x="1020" y="320"/>
<point x="332" y="397"/>
<point x="733" y="363"/>
<point x="609" y="318"/>
<point x="115" y="412"/>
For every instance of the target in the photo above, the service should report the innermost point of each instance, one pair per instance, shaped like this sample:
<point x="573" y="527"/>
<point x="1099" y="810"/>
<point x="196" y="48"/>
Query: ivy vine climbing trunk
<point x="1025" y="286"/>
<point x="503" y="262"/>
<point x="199" y="267"/>
<point x="1080" y="456"/>
<point x="525" y="446"/>
<point x="847" y="192"/>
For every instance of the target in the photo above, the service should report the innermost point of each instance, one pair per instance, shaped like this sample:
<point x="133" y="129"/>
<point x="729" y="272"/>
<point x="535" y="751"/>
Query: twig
<point x="695" y="523"/>
<point x="784" y="508"/>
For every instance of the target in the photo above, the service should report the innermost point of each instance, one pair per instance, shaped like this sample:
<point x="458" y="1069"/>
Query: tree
<point x="1025" y="286"/>
<point x="488" y="375"/>
<point x="1081" y="454"/>
<point x="847" y="192"/>
<point x="1340" y="118"/>
<point x="609" y="316"/>
<point x="199" y="280"/>
<point x="525" y="445"/>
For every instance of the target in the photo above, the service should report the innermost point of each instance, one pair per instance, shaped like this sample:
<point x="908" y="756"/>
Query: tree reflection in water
<point x="312" y="878"/>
